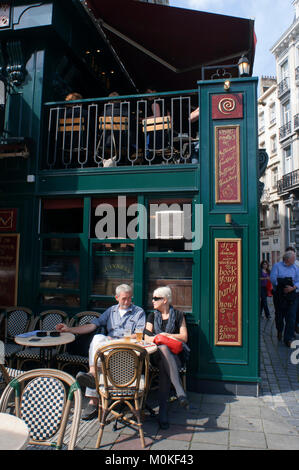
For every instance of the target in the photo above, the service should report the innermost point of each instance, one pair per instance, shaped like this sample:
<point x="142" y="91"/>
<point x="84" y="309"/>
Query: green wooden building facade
<point x="63" y="263"/>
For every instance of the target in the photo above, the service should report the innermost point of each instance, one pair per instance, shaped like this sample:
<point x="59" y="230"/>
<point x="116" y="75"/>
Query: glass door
<point x="111" y="264"/>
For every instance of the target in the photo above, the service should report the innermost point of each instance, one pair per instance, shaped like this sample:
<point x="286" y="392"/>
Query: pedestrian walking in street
<point x="264" y="279"/>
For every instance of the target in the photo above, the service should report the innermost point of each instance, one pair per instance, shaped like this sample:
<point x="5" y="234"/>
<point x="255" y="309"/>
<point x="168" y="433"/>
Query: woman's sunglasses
<point x="157" y="298"/>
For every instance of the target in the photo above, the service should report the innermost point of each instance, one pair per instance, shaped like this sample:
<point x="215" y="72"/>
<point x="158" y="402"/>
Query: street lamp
<point x="244" y="66"/>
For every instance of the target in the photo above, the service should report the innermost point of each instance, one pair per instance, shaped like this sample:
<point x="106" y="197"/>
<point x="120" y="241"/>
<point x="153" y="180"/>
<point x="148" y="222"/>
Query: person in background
<point x="264" y="278"/>
<point x="284" y="277"/>
<point x="291" y="248"/>
<point x="167" y="321"/>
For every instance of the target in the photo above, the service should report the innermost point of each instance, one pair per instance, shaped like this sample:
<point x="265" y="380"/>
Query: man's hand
<point x="62" y="328"/>
<point x="288" y="289"/>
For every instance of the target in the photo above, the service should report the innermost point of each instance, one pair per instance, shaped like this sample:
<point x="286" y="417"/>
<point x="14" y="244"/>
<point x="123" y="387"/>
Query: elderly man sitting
<point x="116" y="319"/>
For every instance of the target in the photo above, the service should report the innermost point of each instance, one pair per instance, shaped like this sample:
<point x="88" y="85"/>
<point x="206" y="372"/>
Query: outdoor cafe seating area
<point x="40" y="400"/>
<point x="122" y="131"/>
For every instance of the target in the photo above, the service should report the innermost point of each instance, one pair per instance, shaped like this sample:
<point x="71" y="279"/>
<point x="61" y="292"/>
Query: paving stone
<point x="170" y="444"/>
<point x="246" y="424"/>
<point x="206" y="446"/>
<point x="278" y="427"/>
<point x="282" y="442"/>
<point x="248" y="439"/>
<point x="211" y="437"/>
<point x="245" y="411"/>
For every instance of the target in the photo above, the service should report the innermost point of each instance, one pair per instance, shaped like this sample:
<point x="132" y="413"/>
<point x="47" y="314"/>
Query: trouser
<point x="279" y="321"/>
<point x="169" y="365"/>
<point x="264" y="303"/>
<point x="290" y="321"/>
<point x="97" y="342"/>
<point x="286" y="313"/>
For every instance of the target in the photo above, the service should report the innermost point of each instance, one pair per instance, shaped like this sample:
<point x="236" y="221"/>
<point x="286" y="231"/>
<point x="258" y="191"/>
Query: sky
<point x="272" y="19"/>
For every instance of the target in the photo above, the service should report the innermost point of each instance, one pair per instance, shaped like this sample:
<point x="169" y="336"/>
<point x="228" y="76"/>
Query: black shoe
<point x="90" y="412"/>
<point x="183" y="401"/>
<point x="86" y="380"/>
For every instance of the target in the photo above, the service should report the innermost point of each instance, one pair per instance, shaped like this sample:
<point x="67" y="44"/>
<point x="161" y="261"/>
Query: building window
<point x="263" y="221"/>
<point x="62" y="216"/>
<point x="175" y="273"/>
<point x="275" y="214"/>
<point x="272" y="114"/>
<point x="261" y="122"/>
<point x="288" y="160"/>
<point x="286" y="113"/>
<point x="273" y="143"/>
<point x="274" y="177"/>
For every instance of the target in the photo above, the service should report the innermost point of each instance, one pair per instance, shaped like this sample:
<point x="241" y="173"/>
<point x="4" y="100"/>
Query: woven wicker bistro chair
<point x="17" y="320"/>
<point x="64" y="358"/>
<point x="124" y="380"/>
<point x="46" y="321"/>
<point x="43" y="399"/>
<point x="7" y="374"/>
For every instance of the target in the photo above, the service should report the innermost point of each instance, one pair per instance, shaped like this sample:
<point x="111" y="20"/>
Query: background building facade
<point x="278" y="112"/>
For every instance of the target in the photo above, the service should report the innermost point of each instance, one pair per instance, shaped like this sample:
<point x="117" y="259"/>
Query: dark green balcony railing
<point x="288" y="181"/>
<point x="128" y="130"/>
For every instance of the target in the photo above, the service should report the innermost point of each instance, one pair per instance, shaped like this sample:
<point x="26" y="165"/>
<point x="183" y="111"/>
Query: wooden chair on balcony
<point x="113" y="141"/>
<point x="72" y="137"/>
<point x="156" y="130"/>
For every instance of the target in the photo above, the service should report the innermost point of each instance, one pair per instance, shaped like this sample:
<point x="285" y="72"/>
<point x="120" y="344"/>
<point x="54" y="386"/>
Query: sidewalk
<point x="223" y="422"/>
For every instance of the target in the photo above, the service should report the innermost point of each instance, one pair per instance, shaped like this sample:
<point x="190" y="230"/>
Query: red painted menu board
<point x="9" y="265"/>
<point x="227" y="106"/>
<point x="228" y="288"/>
<point x="227" y="164"/>
<point x="8" y="220"/>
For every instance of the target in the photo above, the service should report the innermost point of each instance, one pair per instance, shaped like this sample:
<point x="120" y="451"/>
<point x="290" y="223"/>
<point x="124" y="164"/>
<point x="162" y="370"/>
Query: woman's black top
<point x="179" y="316"/>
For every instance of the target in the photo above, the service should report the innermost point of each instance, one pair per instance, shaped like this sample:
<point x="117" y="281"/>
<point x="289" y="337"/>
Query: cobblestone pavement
<point x="223" y="422"/>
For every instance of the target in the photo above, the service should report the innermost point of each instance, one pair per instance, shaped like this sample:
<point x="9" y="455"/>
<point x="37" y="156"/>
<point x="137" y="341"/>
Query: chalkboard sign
<point x="9" y="267"/>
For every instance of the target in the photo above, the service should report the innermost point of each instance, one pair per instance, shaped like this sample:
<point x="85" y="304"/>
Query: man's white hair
<point x="123" y="288"/>
<point x="288" y="255"/>
<point x="164" y="292"/>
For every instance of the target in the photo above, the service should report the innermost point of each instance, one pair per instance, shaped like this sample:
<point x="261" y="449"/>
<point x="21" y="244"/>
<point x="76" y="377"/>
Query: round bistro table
<point x="46" y="344"/>
<point x="14" y="433"/>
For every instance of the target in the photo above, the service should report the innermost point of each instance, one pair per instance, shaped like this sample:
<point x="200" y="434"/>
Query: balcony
<point x="296" y="122"/>
<point x="121" y="131"/>
<point x="283" y="87"/>
<point x="285" y="130"/>
<point x="297" y="74"/>
<point x="288" y="181"/>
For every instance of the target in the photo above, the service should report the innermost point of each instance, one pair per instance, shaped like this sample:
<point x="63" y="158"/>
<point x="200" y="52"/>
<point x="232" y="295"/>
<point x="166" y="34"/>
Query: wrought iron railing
<point x="288" y="181"/>
<point x="283" y="87"/>
<point x="296" y="122"/>
<point x="285" y="130"/>
<point x="134" y="130"/>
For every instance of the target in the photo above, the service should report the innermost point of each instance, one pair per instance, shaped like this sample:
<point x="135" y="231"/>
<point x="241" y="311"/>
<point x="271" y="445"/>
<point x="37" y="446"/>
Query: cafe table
<point x="45" y="343"/>
<point x="14" y="433"/>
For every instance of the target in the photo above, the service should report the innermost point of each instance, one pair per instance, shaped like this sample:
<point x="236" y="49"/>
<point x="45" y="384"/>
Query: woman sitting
<point x="165" y="320"/>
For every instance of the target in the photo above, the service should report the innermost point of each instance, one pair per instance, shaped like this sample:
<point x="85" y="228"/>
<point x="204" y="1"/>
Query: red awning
<point x="166" y="47"/>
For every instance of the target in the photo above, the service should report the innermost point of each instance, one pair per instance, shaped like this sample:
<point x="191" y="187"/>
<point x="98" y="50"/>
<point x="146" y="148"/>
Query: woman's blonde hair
<point x="164" y="292"/>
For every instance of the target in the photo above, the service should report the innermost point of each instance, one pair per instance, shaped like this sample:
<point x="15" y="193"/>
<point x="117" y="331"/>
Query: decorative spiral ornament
<point x="227" y="105"/>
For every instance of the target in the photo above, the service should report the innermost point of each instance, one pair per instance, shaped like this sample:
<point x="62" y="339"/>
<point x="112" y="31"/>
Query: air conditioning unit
<point x="169" y="225"/>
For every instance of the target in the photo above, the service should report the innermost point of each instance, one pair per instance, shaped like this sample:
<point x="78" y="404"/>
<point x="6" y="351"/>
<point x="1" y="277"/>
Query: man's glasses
<point x="157" y="298"/>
